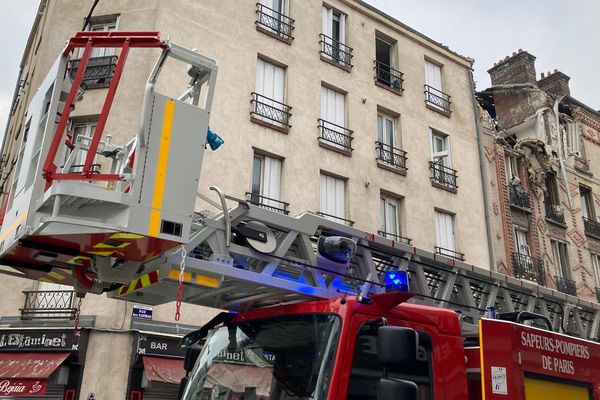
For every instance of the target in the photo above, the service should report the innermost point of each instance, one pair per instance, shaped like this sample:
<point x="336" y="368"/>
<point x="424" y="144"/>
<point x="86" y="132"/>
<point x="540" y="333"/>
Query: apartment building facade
<point x="541" y="146"/>
<point x="327" y="107"/>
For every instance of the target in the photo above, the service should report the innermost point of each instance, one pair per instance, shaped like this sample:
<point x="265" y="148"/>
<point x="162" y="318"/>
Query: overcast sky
<point x="562" y="34"/>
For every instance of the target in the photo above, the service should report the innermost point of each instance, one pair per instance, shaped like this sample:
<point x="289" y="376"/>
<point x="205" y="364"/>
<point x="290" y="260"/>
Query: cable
<point x="86" y="21"/>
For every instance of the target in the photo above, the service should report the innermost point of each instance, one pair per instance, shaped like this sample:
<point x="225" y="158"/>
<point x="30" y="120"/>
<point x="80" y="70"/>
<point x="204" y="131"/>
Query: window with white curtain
<point x="333" y="197"/>
<point x="596" y="268"/>
<point x="270" y="88"/>
<point x="444" y="231"/>
<point x="266" y="181"/>
<point x="272" y="15"/>
<point x="587" y="204"/>
<point x="522" y="243"/>
<point x="333" y="115"/>
<point x="389" y="208"/>
<point x="560" y="257"/>
<point x="433" y="75"/>
<point x="334" y="40"/>
<point x="574" y="138"/>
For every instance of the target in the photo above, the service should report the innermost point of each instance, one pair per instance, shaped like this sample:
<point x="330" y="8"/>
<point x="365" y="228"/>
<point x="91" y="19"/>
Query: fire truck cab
<point x="344" y="348"/>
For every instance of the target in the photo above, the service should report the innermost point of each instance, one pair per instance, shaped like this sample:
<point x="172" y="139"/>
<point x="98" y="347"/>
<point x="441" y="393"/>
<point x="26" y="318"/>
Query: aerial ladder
<point x="135" y="232"/>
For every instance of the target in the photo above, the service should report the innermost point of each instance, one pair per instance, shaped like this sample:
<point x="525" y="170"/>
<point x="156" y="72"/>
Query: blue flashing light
<point x="214" y="141"/>
<point x="396" y="281"/>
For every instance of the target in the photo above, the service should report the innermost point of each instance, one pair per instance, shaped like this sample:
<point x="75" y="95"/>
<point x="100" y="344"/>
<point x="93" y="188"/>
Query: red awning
<point x="30" y="365"/>
<point x="162" y="369"/>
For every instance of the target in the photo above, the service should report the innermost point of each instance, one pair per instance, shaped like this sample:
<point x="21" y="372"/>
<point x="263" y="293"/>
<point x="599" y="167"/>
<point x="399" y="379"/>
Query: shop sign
<point x="36" y="340"/>
<point x="159" y="345"/>
<point x="22" y="387"/>
<point x="144" y="312"/>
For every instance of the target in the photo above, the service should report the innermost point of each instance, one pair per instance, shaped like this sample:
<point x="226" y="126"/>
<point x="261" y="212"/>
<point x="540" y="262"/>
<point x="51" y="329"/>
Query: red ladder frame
<point x="89" y="40"/>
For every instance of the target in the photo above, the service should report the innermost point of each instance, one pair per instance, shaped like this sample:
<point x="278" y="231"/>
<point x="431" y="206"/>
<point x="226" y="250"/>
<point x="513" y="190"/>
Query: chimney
<point x="555" y="83"/>
<point x="518" y="68"/>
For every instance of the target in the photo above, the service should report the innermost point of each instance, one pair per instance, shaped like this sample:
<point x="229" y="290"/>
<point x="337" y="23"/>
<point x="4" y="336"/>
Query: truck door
<point x="366" y="371"/>
<point x="542" y="389"/>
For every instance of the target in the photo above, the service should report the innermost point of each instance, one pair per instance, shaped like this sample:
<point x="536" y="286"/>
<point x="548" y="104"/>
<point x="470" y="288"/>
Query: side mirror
<point x="396" y="345"/>
<point x="392" y="389"/>
<point x="182" y="384"/>
<point x="191" y="356"/>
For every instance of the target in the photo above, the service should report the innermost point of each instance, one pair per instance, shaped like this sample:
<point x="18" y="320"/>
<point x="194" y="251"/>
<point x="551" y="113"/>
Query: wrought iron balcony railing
<point x="335" y="136"/>
<point x="268" y="203"/>
<point x="391" y="156"/>
<point x="437" y="100"/>
<point x="274" y="23"/>
<point x="336" y="51"/>
<point x="519" y="198"/>
<point x="530" y="268"/>
<point x="443" y="176"/>
<point x="388" y="76"/>
<point x="566" y="285"/>
<point x="450" y="253"/>
<point x="554" y="213"/>
<point x="336" y="218"/>
<point x="99" y="71"/>
<point x="47" y="304"/>
<point x="397" y="238"/>
<point x="271" y="112"/>
<point x="591" y="227"/>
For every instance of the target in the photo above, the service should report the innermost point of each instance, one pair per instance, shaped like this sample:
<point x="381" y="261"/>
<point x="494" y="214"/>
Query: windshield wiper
<point x="195" y="336"/>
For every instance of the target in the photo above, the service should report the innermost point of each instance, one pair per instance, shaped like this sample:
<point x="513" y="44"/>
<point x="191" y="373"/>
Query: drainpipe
<point x="561" y="158"/>
<point x="483" y="173"/>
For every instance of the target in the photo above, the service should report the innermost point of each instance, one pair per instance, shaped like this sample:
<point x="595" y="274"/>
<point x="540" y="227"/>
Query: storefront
<point x="157" y="367"/>
<point x="40" y="363"/>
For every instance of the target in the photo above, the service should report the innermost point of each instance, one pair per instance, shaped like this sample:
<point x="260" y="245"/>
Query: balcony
<point x="271" y="113"/>
<point x="591" y="227"/>
<point x="391" y="158"/>
<point x="519" y="198"/>
<point x="443" y="177"/>
<point x="335" y="52"/>
<point x="99" y="71"/>
<point x="437" y="100"/>
<point x="268" y="203"/>
<point x="565" y="285"/>
<point x="455" y="255"/>
<point x="397" y="238"/>
<point x="335" y="137"/>
<point x="49" y="304"/>
<point x="526" y="267"/>
<point x="388" y="77"/>
<point x="336" y="218"/>
<point x="274" y="23"/>
<point x="554" y="213"/>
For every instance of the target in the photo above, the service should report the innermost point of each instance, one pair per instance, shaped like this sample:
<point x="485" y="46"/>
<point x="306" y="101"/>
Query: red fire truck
<point x="385" y="348"/>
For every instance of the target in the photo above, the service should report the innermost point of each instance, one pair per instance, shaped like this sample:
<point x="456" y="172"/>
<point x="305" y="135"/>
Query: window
<point x="521" y="242"/>
<point x="386" y="130"/>
<point x="268" y="100"/>
<point x="596" y="268"/>
<point x="333" y="120"/>
<point x="442" y="173"/>
<point x="366" y="370"/>
<point x="102" y="24"/>
<point x="266" y="183"/>
<point x="388" y="152"/>
<point x="273" y="19"/>
<point x="444" y="233"/>
<point x="333" y="38"/>
<point x="435" y="98"/>
<point x="554" y="211"/>
<point x="390" y="217"/>
<point x="574" y="139"/>
<point x="587" y="204"/>
<point x="82" y="133"/>
<point x="333" y="198"/>
<point x="512" y="167"/>
<point x="560" y="258"/>
<point x="386" y="74"/>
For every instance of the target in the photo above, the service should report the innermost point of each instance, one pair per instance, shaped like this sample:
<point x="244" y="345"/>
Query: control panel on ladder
<point x="93" y="224"/>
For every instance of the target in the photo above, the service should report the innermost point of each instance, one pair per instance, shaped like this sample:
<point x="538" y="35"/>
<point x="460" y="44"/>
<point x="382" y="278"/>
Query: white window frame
<point x="333" y="197"/>
<point x="102" y="24"/>
<point x="521" y="235"/>
<point x="434" y="75"/>
<point x="512" y="167"/>
<point x="574" y="139"/>
<point x="328" y="16"/>
<point x="587" y="203"/>
<point x="382" y="130"/>
<point x="270" y="83"/>
<point x="268" y="181"/>
<point x="445" y="233"/>
<point x="596" y="268"/>
<point x="563" y="270"/>
<point x="389" y="210"/>
<point x="443" y="155"/>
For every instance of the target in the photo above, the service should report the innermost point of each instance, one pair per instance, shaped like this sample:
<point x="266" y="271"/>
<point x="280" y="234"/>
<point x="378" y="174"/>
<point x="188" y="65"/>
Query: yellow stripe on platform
<point x="161" y="168"/>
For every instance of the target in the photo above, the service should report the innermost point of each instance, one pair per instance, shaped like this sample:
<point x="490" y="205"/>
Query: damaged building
<point x="542" y="156"/>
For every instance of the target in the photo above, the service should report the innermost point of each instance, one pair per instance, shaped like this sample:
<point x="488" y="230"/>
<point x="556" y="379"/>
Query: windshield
<point x="287" y="357"/>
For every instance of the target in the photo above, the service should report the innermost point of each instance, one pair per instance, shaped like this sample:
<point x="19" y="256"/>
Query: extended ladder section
<point x="252" y="257"/>
<point x="79" y="205"/>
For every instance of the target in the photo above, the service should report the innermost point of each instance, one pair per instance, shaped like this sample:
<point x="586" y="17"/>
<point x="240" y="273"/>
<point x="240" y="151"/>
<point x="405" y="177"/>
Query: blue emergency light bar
<point x="396" y="281"/>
